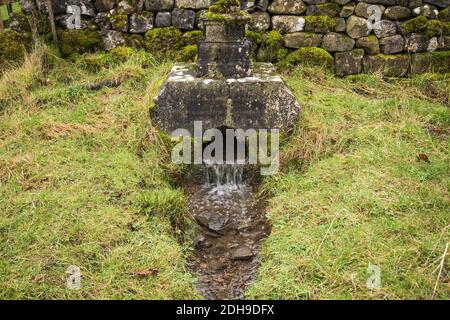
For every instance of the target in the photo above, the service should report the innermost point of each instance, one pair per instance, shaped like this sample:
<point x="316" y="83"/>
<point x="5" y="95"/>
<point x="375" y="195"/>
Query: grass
<point x="75" y="168"/>
<point x="353" y="191"/>
<point x="4" y="12"/>
<point x="85" y="180"/>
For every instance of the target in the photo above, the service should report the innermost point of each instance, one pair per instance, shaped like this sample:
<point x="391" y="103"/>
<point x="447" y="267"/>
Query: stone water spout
<point x="224" y="88"/>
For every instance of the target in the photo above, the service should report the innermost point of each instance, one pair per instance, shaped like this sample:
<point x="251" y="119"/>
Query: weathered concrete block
<point x="260" y="101"/>
<point x="349" y="62"/>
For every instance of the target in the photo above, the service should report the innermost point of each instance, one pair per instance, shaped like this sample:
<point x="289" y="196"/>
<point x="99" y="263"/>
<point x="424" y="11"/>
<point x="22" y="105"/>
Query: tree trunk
<point x="51" y="17"/>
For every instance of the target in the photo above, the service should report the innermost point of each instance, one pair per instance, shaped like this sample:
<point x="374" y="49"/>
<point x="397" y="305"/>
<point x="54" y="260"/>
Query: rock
<point x="287" y="7"/>
<point x="357" y="27"/>
<point x="104" y="5"/>
<point x="119" y="22"/>
<point x="421" y="62"/>
<point x="217" y="265"/>
<point x="414" y="4"/>
<point x="333" y="42"/>
<point x="242" y="253"/>
<point x="342" y="2"/>
<point x="158" y="5"/>
<point x="192" y="4"/>
<point x="416" y="42"/>
<point x="27" y="6"/>
<point x="315" y="1"/>
<point x="397" y="13"/>
<point x="259" y="21"/>
<point x="112" y="39"/>
<point x="362" y="9"/>
<point x="212" y="221"/>
<point x="413" y="25"/>
<point x="324" y="9"/>
<point x="370" y="44"/>
<point x="286" y="24"/>
<point x="340" y="25"/>
<point x="384" y="28"/>
<point x="141" y="22"/>
<point x="129" y="6"/>
<point x="403" y="3"/>
<point x="433" y="45"/>
<point x="163" y="19"/>
<point x="348" y="62"/>
<point x="438" y="3"/>
<point x="444" y="42"/>
<point x="347" y="11"/>
<point x="302" y="39"/>
<point x="388" y="65"/>
<point x="320" y="24"/>
<point x="102" y="20"/>
<point x="392" y="44"/>
<point x="429" y="12"/>
<point x="136" y="41"/>
<point x="183" y="19"/>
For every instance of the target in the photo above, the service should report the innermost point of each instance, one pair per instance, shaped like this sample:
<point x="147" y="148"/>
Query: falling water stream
<point x="232" y="223"/>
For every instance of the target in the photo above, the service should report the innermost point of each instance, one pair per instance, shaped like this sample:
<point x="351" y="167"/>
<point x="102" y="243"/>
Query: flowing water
<point x="232" y="223"/>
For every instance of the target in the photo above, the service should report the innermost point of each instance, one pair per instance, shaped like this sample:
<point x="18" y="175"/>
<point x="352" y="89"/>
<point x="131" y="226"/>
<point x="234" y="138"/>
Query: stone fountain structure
<point x="224" y="88"/>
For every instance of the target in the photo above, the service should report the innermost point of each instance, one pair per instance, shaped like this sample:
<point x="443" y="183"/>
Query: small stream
<point x="232" y="222"/>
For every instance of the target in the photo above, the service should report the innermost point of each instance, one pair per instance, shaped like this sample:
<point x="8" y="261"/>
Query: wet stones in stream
<point x="232" y="224"/>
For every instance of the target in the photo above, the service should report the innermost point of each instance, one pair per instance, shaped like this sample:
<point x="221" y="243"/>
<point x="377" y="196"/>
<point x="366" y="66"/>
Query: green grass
<point x="75" y="168"/>
<point x="4" y="13"/>
<point x="85" y="180"/>
<point x="352" y="191"/>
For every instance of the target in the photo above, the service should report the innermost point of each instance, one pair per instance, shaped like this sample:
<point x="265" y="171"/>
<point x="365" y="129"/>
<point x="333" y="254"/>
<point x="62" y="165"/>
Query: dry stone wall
<point x="395" y="37"/>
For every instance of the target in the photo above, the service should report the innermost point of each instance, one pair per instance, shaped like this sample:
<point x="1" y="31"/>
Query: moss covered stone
<point x="321" y="23"/>
<point x="119" y="22"/>
<point x="135" y="41"/>
<point x="164" y="42"/>
<point x="434" y="28"/>
<point x="188" y="54"/>
<point x="193" y="37"/>
<point x="440" y="61"/>
<point x="309" y="56"/>
<point x="226" y="10"/>
<point x="329" y="9"/>
<point x="13" y="46"/>
<point x="79" y="41"/>
<point x="272" y="47"/>
<point x="413" y="25"/>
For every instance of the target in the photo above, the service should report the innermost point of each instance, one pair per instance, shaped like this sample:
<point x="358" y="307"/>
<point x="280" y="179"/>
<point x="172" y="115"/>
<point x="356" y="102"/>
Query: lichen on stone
<point x="413" y="25"/>
<point x="119" y="21"/>
<point x="308" y="56"/>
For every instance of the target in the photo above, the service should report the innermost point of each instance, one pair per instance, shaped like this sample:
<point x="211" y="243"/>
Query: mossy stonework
<point x="276" y="29"/>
